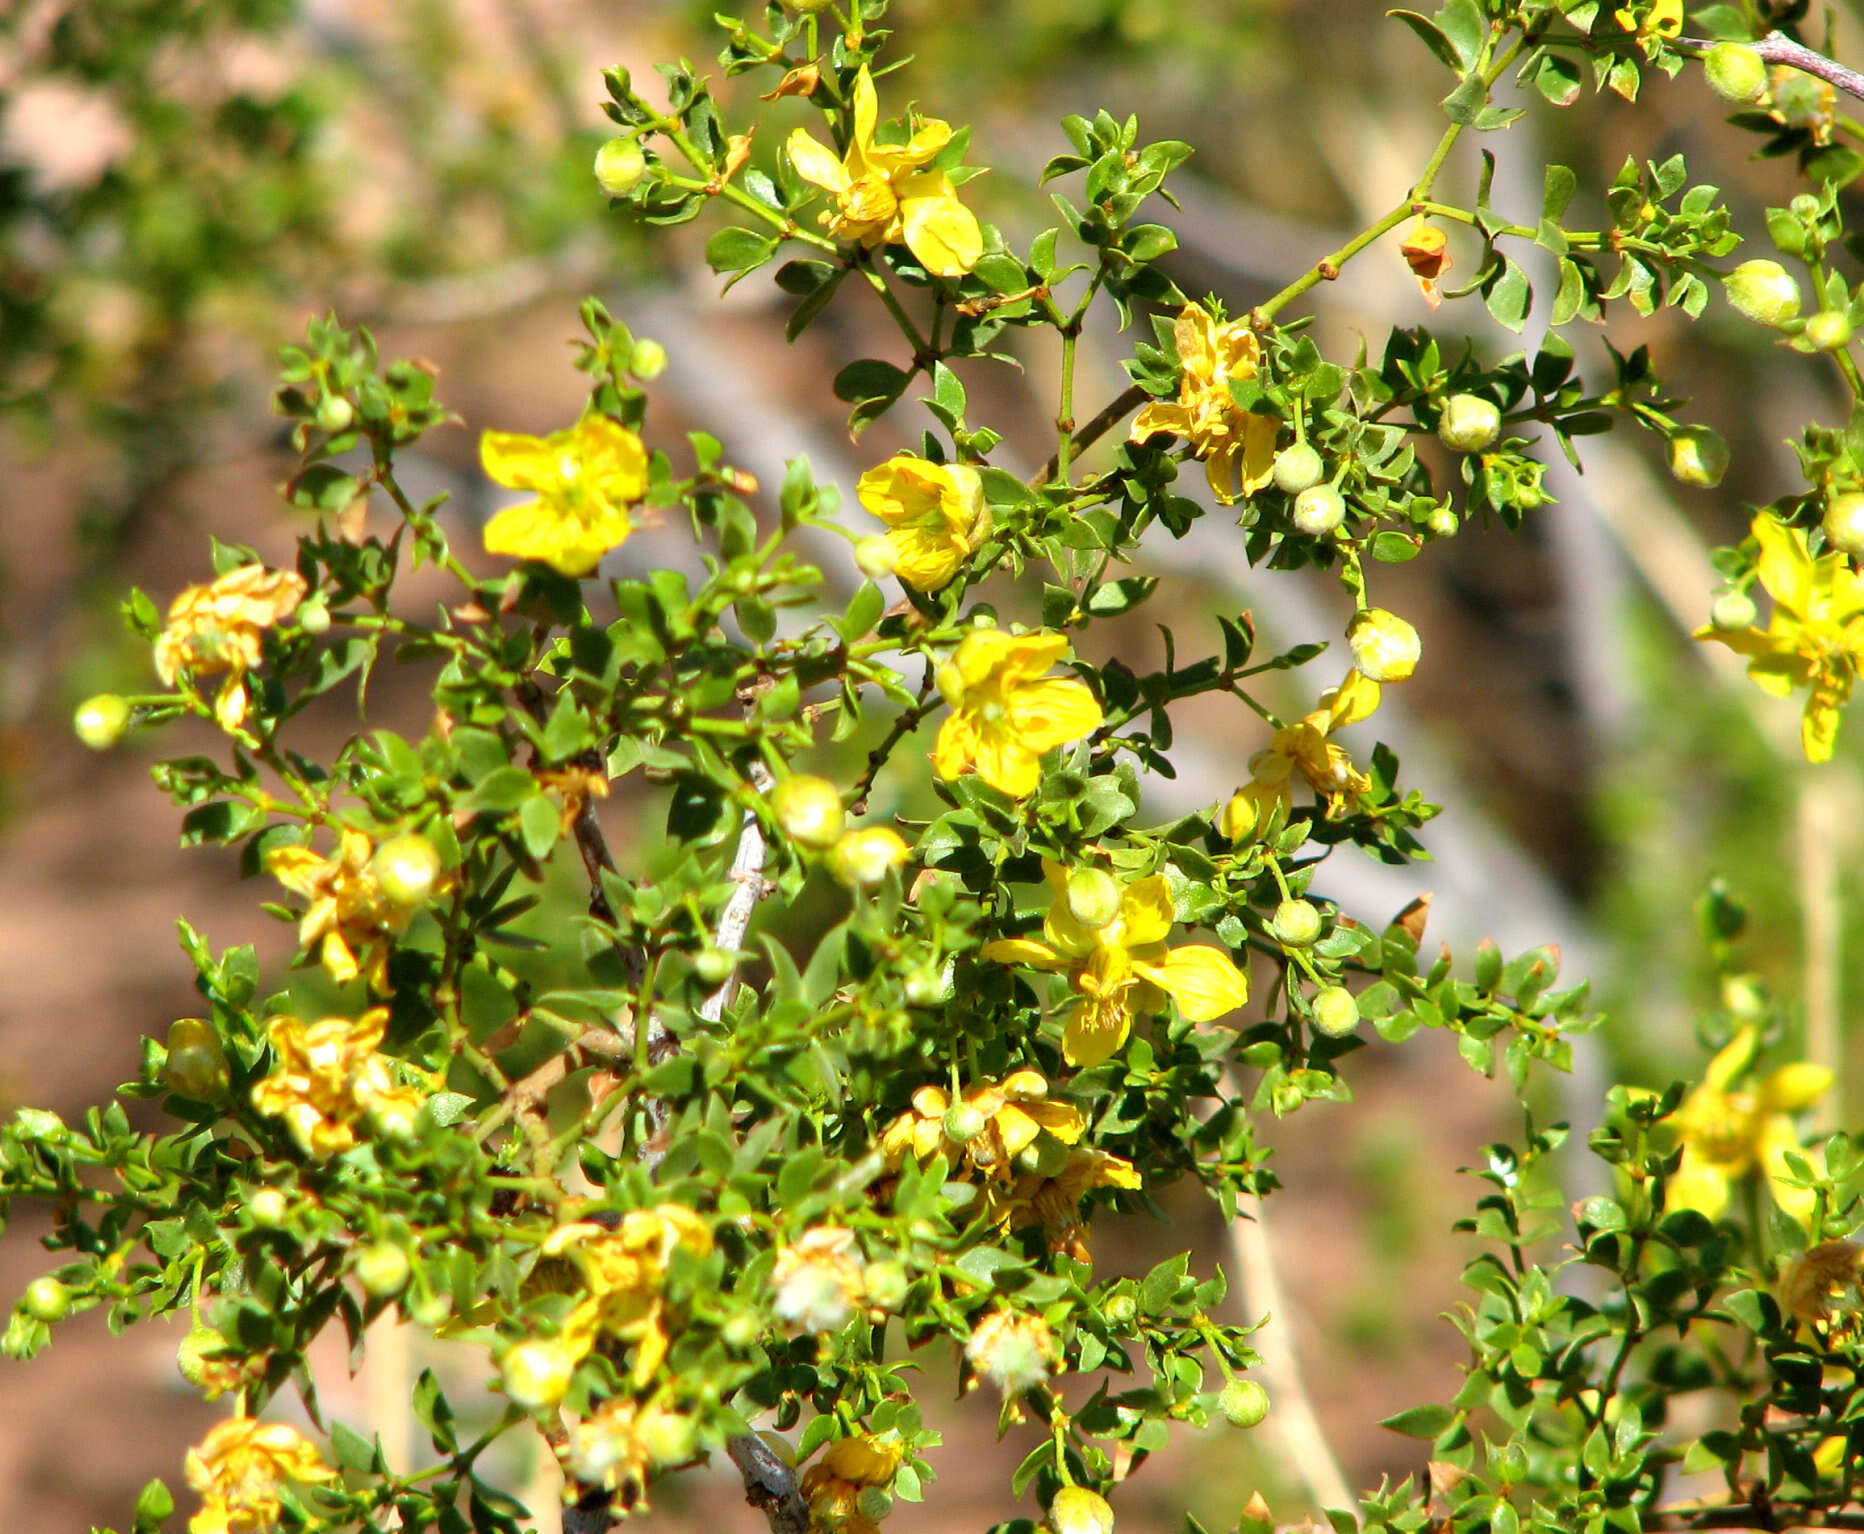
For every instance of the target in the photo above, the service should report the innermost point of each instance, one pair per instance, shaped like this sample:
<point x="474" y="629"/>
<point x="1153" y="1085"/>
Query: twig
<point x="747" y="872"/>
<point x="1778" y="48"/>
<point x="770" y="1485"/>
<point x="1129" y="400"/>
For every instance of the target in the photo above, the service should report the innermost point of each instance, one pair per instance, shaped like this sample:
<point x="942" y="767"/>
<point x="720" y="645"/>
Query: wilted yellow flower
<point x="1004" y="712"/>
<point x="1821" y="1287"/>
<point x="1663" y="19"/>
<point x="889" y="193"/>
<point x="1816" y="636"/>
<point x="1005" y="1118"/>
<point x="1385" y="647"/>
<point x="1304" y="747"/>
<point x="216" y="628"/>
<point x="817" y="1279"/>
<point x="238" y="1469"/>
<point x="1076" y="1510"/>
<point x="586" y="478"/>
<point x="618" y="1446"/>
<point x="1728" y="1131"/>
<point x="1124" y="967"/>
<point x="349" y="923"/>
<point x="832" y="1486"/>
<point x="1237" y="446"/>
<point x="623" y="1272"/>
<point x="1014" y="1352"/>
<point x="327" y="1076"/>
<point x="1426" y="250"/>
<point x="1054" y="1202"/>
<point x="936" y="515"/>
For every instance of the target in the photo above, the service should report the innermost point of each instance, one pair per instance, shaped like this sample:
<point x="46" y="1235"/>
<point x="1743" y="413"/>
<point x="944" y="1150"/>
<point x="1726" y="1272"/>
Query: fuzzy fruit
<point x="101" y="721"/>
<point x="619" y="166"/>
<point x="1762" y="291"/>
<point x="1469" y="423"/>
<point x="1318" y="510"/>
<point x="1698" y="456"/>
<point x="1736" y="73"/>
<point x="1297" y="467"/>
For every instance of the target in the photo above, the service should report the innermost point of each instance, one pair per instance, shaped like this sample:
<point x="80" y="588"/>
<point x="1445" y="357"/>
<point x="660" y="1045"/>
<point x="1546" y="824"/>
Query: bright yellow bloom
<point x="238" y="1469"/>
<point x="216" y="628"/>
<point x="623" y="1272"/>
<point x="817" y="1279"/>
<point x="832" y="1486"/>
<point x="1004" y="713"/>
<point x="350" y="924"/>
<point x="1663" y="19"/>
<point x="1815" y="638"/>
<point x="890" y="193"/>
<point x="1014" y="1113"/>
<point x="936" y="515"/>
<point x="1237" y="446"/>
<point x="586" y="478"/>
<point x="1728" y="1131"/>
<point x="1055" y="1202"/>
<point x="1124" y="967"/>
<point x="327" y="1076"/>
<point x="1304" y="747"/>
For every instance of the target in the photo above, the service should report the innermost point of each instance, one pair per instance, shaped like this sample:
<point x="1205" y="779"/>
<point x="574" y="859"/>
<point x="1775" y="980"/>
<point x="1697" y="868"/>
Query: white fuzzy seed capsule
<point x="1093" y="897"/>
<point x="1336" y="1011"/>
<point x="1385" y="648"/>
<point x="1828" y="331"/>
<point x="536" y="1374"/>
<point x="1296" y="467"/>
<point x="809" y="810"/>
<point x="1076" y="1510"/>
<point x="1243" y="1403"/>
<point x="101" y="721"/>
<point x="1296" y="923"/>
<point x="1469" y="423"/>
<point x="1318" y="510"/>
<point x="1735" y="72"/>
<point x="619" y="166"/>
<point x="1762" y="291"/>
<point x="875" y="556"/>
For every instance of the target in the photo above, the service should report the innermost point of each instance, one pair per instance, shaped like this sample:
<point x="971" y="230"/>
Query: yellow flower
<point x="623" y="1271"/>
<point x="349" y="923"/>
<point x="216" y="628"/>
<point x="1004" y="713"/>
<point x="1815" y="638"/>
<point x="1237" y="446"/>
<point x="1124" y="967"/>
<point x="889" y="193"/>
<point x="585" y="478"/>
<point x="238" y="1468"/>
<point x="1304" y="747"/>
<point x="936" y="515"/>
<point x="618" y="1446"/>
<point x="833" y="1485"/>
<point x="817" y="1279"/>
<point x="1728" y="1131"/>
<point x="1010" y="1116"/>
<point x="1055" y="1202"/>
<point x="327" y="1076"/>
<point x="1663" y="19"/>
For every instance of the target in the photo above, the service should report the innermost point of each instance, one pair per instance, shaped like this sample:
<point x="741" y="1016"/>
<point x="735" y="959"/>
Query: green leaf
<point x="1420" y="1421"/>
<point x="538" y="821"/>
<point x="1509" y="296"/>
<point x="736" y="250"/>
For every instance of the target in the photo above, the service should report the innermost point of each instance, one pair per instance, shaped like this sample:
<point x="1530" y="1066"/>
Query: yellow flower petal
<point x="1785" y="563"/>
<point x="1698" y="1185"/>
<point x="814" y="163"/>
<point x="1201" y="979"/>
<point x="1051" y="713"/>
<point x="1795" y="1086"/>
<point x="1146" y="911"/>
<point x="1022" y="950"/>
<point x="939" y="230"/>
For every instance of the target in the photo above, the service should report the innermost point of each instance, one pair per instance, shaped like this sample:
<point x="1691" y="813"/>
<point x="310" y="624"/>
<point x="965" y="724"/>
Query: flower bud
<point x="1762" y="291"/>
<point x="536" y="1374"/>
<point x="1745" y="997"/>
<point x="963" y="1123"/>
<point x="407" y="870"/>
<point x="1732" y="610"/>
<point x="1844" y="523"/>
<point x="196" y="1066"/>
<point x="1442" y="523"/>
<point x="714" y="966"/>
<point x="47" y="1299"/>
<point x="861" y="859"/>
<point x="314" y="616"/>
<point x="1828" y="331"/>
<point x="1336" y="1011"/>
<point x="1238" y="819"/>
<point x="648" y="360"/>
<point x="1469" y="423"/>
<point x="1296" y="468"/>
<point x="1093" y="897"/>
<point x="382" y="1268"/>
<point x="1076" y="1510"/>
<point x="267" y="1208"/>
<point x="1120" y="1311"/>
<point x="1736" y="73"/>
<point x="1243" y="1403"/>
<point x="1385" y="648"/>
<point x="1698" y="456"/>
<point x="101" y="720"/>
<point x="875" y="556"/>
<point x="619" y="166"/>
<point x="1296" y="923"/>
<point x="885" y="1284"/>
<point x="668" y="1437"/>
<point x="1044" y="1156"/>
<point x="335" y="414"/>
<point x="809" y="810"/>
<point x="808" y="7"/>
<point x="1318" y="510"/>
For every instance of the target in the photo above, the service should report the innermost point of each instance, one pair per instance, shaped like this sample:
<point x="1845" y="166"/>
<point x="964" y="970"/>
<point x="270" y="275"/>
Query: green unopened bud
<point x="714" y="966"/>
<point x="1318" y="510"/>
<point x="740" y="1333"/>
<point x="1735" y="72"/>
<point x="1076" y="1510"/>
<point x="885" y="1284"/>
<point x="1469" y="423"/>
<point x="963" y="1123"/>
<point x="101" y="720"/>
<point x="873" y="1504"/>
<point x="875" y="556"/>
<point x="1297" y="467"/>
<point x="668" y="1437"/>
<point x="809" y="810"/>
<point x="196" y="1066"/>
<point x="619" y="166"/>
<point x="314" y="616"/>
<point x="861" y="859"/>
<point x="1442" y="523"/>
<point x="1745" y="997"/>
<point x="202" y="1359"/>
<point x="537" y="1374"/>
<point x="1296" y="923"/>
<point x="1093" y="897"/>
<point x="1243" y="1403"/>
<point x="1732" y="610"/>
<point x="1844" y="523"/>
<point x="1385" y="648"/>
<point x="1828" y="331"/>
<point x="808" y="7"/>
<point x="382" y="1268"/>
<point x="648" y="360"/>
<point x="407" y="870"/>
<point x="46" y="1299"/>
<point x="1336" y="1011"/>
<point x="335" y="414"/>
<point x="1698" y="456"/>
<point x="1762" y="291"/>
<point x="1044" y="1156"/>
<point x="267" y="1208"/>
<point x="1120" y="1311"/>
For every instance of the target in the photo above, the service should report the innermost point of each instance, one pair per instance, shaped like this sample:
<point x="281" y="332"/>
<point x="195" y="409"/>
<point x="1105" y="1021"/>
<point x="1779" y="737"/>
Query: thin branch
<point x="770" y="1485"/>
<point x="1123" y="404"/>
<point x="1778" y="48"/>
<point x="747" y="873"/>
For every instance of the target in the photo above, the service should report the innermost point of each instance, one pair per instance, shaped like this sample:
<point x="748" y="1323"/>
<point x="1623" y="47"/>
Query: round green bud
<point x="668" y="1437"/>
<point x="741" y="1331"/>
<point x="875" y="556"/>
<point x="1044" y="1156"/>
<point x="963" y="1123"/>
<point x="196" y="1066"/>
<point x="101" y="720"/>
<point x="1318" y="510"/>
<point x="862" y="859"/>
<point x="1093" y="897"/>
<point x="1076" y="1510"/>
<point x="425" y="1307"/>
<point x="885" y="1284"/>
<point x="382" y="1268"/>
<point x="267" y="1208"/>
<point x="536" y="1374"/>
<point x="1828" y="331"/>
<point x="1804" y="207"/>
<point x="46" y="1299"/>
<point x="1844" y="523"/>
<point x="619" y="166"/>
<point x="873" y="1504"/>
<point x="1443" y="523"/>
<point x="1469" y="423"/>
<point x="808" y="7"/>
<point x="1296" y="923"/>
<point x="1120" y="1311"/>
<point x="1745" y="997"/>
<point x="335" y="414"/>
<point x="648" y="360"/>
<point x="714" y="966"/>
<point x="1732" y="610"/>
<point x="926" y="986"/>
<point x="1243" y="1403"/>
<point x="200" y="1358"/>
<point x="1736" y="73"/>
<point x="1385" y="647"/>
<point x="1762" y="291"/>
<point x="1336" y="1011"/>
<point x="809" y="810"/>
<point x="1698" y="456"/>
<point x="314" y="617"/>
<point x="407" y="870"/>
<point x="1297" y="467"/>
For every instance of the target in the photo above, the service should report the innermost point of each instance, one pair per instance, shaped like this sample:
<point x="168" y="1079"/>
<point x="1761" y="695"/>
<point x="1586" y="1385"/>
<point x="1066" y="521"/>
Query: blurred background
<point x="184" y="182"/>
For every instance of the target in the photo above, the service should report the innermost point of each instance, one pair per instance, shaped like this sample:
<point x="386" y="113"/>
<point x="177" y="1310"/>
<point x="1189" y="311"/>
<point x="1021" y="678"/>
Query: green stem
<point x="876" y="279"/>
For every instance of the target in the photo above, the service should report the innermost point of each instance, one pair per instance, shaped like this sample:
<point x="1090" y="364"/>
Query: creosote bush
<point x="710" y="1172"/>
